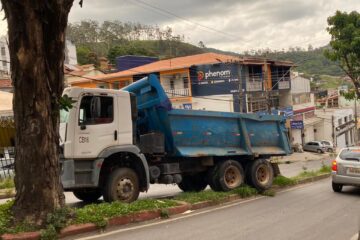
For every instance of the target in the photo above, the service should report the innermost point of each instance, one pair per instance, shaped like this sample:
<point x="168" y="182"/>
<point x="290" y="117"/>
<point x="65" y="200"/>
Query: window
<point x="345" y="119"/>
<point x="4" y="64"/>
<point x="172" y="84"/>
<point x="3" y="51"/>
<point x="96" y="110"/>
<point x="340" y="121"/>
<point x="350" y="154"/>
<point x="186" y="82"/>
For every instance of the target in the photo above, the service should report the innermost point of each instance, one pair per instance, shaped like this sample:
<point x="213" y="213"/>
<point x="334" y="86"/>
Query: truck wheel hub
<point x="232" y="177"/>
<point x="262" y="174"/>
<point x="124" y="188"/>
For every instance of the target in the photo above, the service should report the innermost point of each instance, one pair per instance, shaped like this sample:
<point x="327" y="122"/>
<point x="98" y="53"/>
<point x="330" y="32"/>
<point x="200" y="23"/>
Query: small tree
<point x="344" y="29"/>
<point x="36" y="32"/>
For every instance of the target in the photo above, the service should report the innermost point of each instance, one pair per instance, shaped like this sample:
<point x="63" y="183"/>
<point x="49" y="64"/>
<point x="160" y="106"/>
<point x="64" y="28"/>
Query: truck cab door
<point x="97" y="126"/>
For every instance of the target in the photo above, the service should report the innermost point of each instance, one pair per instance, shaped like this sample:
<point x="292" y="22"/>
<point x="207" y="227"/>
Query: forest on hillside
<point x="114" y="38"/>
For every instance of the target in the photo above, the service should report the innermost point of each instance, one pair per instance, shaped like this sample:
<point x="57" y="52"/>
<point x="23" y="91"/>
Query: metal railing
<point x="284" y="84"/>
<point x="178" y="92"/>
<point x="254" y="86"/>
<point x="7" y="159"/>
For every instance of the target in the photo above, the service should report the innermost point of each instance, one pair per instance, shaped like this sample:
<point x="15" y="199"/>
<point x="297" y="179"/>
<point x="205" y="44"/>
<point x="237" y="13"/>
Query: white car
<point x="346" y="168"/>
<point x="329" y="146"/>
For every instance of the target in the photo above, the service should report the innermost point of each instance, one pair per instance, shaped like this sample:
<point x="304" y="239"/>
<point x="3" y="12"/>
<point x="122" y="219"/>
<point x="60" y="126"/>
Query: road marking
<point x="187" y="216"/>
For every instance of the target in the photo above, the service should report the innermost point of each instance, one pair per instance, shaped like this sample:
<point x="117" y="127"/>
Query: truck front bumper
<point x="82" y="173"/>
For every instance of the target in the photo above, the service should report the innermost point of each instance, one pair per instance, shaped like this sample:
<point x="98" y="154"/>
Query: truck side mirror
<point x="82" y="126"/>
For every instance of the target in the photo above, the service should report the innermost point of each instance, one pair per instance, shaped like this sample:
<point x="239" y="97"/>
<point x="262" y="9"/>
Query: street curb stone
<point x="77" y="229"/>
<point x="138" y="217"/>
<point x="22" y="236"/>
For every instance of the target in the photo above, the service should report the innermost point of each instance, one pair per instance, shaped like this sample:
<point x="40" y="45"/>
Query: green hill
<point x="309" y="62"/>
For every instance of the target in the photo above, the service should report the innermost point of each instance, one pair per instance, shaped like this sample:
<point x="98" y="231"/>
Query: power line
<point x="158" y="9"/>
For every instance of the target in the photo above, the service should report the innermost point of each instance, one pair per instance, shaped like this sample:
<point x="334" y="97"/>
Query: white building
<point x="339" y="126"/>
<point x="70" y="53"/>
<point x="70" y="56"/>
<point x="4" y="57"/>
<point x="304" y="123"/>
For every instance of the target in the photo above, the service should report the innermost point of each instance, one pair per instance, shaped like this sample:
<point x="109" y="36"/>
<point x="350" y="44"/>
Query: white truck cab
<point x="99" y="127"/>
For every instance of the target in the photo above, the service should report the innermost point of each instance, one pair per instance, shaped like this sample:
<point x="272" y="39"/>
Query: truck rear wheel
<point x="122" y="185"/>
<point x="193" y="183"/>
<point x="260" y="174"/>
<point x="226" y="176"/>
<point x="87" y="195"/>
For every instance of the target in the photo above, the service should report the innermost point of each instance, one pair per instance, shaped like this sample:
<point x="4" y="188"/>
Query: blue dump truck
<point x="118" y="142"/>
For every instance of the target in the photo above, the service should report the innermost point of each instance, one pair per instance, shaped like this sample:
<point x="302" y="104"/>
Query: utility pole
<point x="356" y="122"/>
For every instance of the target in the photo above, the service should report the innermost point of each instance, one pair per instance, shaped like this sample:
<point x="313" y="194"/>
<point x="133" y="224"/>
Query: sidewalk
<point x="303" y="157"/>
<point x="292" y="165"/>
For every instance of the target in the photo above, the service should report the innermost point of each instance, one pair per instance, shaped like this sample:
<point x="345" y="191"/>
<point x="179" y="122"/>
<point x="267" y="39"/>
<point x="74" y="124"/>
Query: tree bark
<point x="36" y="30"/>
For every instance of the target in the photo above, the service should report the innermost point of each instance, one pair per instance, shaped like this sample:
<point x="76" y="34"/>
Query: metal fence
<point x="7" y="158"/>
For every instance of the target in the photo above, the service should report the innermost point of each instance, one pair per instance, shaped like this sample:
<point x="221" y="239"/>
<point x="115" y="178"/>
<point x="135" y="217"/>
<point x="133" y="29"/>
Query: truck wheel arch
<point x="125" y="156"/>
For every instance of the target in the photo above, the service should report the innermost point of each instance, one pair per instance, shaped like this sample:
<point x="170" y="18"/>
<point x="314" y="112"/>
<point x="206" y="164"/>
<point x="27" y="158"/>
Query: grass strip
<point x="7" y="183"/>
<point x="100" y="213"/>
<point x="216" y="197"/>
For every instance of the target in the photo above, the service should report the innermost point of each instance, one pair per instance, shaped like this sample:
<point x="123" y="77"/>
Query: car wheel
<point x="330" y="150"/>
<point x="336" y="187"/>
<point x="319" y="151"/>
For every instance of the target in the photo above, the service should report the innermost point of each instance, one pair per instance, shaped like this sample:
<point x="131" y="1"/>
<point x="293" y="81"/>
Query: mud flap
<point x="276" y="169"/>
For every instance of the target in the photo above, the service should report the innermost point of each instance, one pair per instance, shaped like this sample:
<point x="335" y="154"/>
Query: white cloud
<point x="248" y="24"/>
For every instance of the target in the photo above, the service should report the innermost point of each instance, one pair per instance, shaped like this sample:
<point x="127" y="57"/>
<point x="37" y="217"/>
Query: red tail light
<point x="334" y="165"/>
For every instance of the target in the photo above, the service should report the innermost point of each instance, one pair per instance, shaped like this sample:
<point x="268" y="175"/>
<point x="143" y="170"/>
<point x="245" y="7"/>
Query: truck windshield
<point x="64" y="116"/>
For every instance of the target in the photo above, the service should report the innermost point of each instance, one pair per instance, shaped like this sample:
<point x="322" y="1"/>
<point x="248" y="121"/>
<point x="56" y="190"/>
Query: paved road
<point x="307" y="212"/>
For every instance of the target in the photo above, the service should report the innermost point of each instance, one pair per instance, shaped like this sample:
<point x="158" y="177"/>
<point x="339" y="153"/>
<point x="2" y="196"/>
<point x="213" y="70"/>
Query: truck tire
<point x="87" y="195"/>
<point x="226" y="176"/>
<point x="193" y="183"/>
<point x="260" y="174"/>
<point x="122" y="185"/>
<point x="212" y="176"/>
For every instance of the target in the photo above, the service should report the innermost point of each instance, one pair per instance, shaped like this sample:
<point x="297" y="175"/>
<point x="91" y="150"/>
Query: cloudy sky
<point x="235" y="25"/>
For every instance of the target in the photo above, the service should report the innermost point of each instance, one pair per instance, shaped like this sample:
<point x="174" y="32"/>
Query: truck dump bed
<point x="195" y="133"/>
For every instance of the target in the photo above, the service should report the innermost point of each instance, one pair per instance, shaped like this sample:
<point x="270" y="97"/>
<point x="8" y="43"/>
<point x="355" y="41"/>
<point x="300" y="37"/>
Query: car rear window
<point x="350" y="154"/>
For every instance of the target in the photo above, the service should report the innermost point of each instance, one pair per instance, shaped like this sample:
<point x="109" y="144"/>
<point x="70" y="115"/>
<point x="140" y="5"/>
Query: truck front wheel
<point x="87" y="195"/>
<point x="226" y="176"/>
<point x="193" y="183"/>
<point x="260" y="174"/>
<point x="122" y="185"/>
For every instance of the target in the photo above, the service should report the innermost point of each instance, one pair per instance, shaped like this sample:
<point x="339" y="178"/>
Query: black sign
<point x="216" y="79"/>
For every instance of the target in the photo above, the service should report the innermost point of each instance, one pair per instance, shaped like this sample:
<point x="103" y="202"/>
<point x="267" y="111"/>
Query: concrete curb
<point x="313" y="179"/>
<point x="142" y="216"/>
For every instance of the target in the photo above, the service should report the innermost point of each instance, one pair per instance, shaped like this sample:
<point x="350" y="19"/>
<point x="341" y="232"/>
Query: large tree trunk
<point x="36" y="41"/>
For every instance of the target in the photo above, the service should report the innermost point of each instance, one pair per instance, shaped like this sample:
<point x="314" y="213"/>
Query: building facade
<point x="213" y="81"/>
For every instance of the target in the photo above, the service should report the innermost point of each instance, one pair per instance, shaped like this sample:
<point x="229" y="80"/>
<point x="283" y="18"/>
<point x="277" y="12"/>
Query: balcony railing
<point x="180" y="92"/>
<point x="284" y="84"/>
<point x="254" y="86"/>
